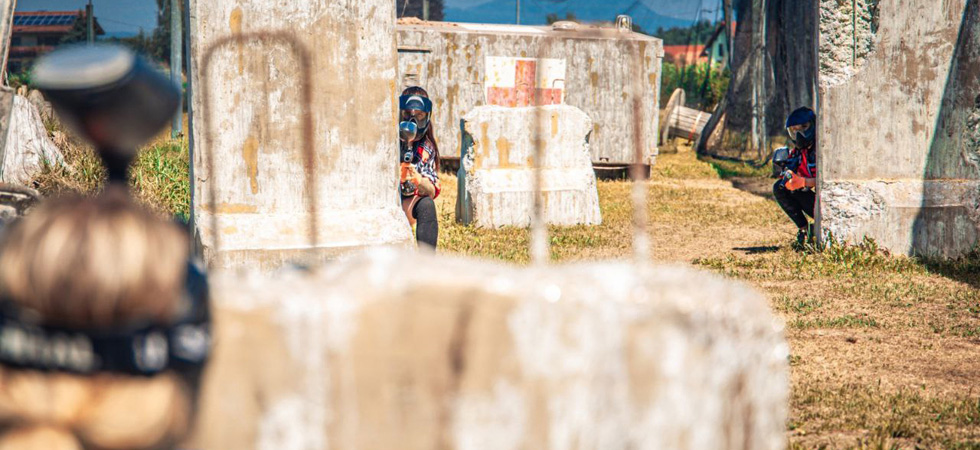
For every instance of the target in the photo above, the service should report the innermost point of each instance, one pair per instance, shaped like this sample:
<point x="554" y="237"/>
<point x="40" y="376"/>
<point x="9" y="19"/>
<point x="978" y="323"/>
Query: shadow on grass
<point x="761" y="187"/>
<point x="965" y="269"/>
<point x="757" y="250"/>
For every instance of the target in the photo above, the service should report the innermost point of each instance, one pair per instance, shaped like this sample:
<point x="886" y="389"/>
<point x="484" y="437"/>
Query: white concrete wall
<point x="368" y="355"/>
<point x="252" y="100"/>
<point x="449" y="61"/>
<point x="899" y="149"/>
<point x="497" y="189"/>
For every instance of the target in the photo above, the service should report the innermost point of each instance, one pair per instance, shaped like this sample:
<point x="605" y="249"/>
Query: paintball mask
<point x="802" y="127"/>
<point x="414" y="113"/>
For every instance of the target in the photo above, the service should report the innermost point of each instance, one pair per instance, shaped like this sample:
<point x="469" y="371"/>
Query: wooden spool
<point x="681" y="121"/>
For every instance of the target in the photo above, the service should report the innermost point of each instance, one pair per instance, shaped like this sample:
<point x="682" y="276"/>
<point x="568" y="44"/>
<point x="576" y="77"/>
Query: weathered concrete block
<point x="250" y="112"/>
<point x="496" y="175"/>
<point x="459" y="65"/>
<point x="26" y="147"/>
<point x="898" y="136"/>
<point x="367" y="355"/>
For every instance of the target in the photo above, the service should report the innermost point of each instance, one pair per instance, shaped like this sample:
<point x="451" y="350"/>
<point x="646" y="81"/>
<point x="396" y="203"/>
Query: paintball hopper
<point x="109" y="96"/>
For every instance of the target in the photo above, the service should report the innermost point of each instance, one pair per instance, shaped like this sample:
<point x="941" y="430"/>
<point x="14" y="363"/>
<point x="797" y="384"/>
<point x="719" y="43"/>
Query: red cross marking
<point x="524" y="90"/>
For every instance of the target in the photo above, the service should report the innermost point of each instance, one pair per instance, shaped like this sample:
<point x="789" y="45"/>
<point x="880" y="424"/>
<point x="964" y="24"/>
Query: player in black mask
<point x="419" y="156"/>
<point x="795" y="190"/>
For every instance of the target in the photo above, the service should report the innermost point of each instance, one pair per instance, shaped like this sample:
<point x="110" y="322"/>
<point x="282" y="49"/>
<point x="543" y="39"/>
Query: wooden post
<point x="90" y="19"/>
<point x="759" y="130"/>
<point x="6" y="28"/>
<point x="176" y="62"/>
<point x="518" y="12"/>
<point x="729" y="17"/>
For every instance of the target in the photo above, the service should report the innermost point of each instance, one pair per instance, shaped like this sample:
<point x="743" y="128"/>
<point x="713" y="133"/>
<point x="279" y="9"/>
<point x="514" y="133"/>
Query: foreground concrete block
<point x="25" y="147"/>
<point x="252" y="102"/>
<point x="496" y="173"/>
<point x="367" y="355"/>
<point x="899" y="142"/>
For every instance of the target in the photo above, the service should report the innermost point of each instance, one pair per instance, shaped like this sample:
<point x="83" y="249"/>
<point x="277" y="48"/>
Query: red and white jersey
<point x="425" y="163"/>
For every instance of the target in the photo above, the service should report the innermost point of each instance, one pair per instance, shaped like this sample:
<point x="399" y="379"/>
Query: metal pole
<point x="425" y="10"/>
<point x="189" y="99"/>
<point x="176" y="61"/>
<point x="518" y="12"/>
<point x="90" y="19"/>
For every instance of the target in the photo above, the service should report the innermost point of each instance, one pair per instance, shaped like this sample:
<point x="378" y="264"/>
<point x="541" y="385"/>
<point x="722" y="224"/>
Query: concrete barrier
<point x="282" y="77"/>
<point x="368" y="355"/>
<point x="496" y="173"/>
<point x="25" y="147"/>
<point x="464" y="65"/>
<point x="899" y="146"/>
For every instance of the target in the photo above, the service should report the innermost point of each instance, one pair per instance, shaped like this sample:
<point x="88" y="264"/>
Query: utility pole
<point x="90" y="19"/>
<point x="425" y="10"/>
<point x="518" y="12"/>
<point x="176" y="62"/>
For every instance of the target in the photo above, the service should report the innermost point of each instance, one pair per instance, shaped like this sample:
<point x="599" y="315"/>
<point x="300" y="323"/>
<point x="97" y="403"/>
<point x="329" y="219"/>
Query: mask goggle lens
<point x="421" y="117"/>
<point x="793" y="129"/>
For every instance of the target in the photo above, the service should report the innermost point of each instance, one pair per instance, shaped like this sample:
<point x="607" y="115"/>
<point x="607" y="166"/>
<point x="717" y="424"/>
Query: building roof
<point x="719" y="32"/>
<point x="684" y="54"/>
<point x="49" y="21"/>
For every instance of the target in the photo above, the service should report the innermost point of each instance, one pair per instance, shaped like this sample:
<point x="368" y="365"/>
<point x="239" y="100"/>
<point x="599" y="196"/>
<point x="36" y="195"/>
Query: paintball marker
<point x="407" y="132"/>
<point x="109" y="96"/>
<point x="779" y="159"/>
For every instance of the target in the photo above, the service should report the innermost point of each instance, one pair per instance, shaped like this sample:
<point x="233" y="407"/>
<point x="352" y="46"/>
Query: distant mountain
<point x="533" y="13"/>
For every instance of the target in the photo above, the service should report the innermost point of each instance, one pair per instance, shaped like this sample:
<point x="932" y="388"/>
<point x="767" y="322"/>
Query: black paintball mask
<point x="182" y="346"/>
<point x="414" y="111"/>
<point x="801" y="125"/>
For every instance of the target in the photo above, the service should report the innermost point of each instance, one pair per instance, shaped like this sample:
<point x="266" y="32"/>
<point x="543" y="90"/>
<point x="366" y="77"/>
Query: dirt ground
<point x="885" y="351"/>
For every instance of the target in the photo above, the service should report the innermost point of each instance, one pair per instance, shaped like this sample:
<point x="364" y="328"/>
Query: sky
<point x="128" y="16"/>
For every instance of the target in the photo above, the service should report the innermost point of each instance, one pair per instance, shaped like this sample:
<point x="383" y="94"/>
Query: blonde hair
<point x="101" y="262"/>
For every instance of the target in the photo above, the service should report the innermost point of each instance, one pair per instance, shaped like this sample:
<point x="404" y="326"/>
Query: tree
<point x="697" y="34"/>
<point x="413" y="8"/>
<point x="79" y="30"/>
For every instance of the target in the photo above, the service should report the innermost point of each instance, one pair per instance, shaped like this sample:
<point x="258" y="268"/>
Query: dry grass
<point x="159" y="177"/>
<point x="885" y="350"/>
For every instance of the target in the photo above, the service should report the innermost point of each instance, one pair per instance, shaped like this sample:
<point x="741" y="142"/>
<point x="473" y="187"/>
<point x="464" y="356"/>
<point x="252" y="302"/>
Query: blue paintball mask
<point x="802" y="127"/>
<point x="414" y="111"/>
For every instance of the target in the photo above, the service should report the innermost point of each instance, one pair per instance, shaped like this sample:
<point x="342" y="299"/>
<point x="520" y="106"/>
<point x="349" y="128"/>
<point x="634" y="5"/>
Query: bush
<point x="703" y="85"/>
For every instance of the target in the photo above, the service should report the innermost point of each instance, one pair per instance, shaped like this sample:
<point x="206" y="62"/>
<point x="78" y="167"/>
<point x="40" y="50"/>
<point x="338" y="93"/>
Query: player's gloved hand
<point x="409" y="188"/>
<point x="795" y="182"/>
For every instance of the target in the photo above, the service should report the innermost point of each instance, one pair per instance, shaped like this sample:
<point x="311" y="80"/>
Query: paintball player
<point x="794" y="191"/>
<point x="419" y="165"/>
<point x="93" y="293"/>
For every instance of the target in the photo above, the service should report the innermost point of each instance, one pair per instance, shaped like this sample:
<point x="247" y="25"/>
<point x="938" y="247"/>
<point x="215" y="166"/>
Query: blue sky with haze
<point x="128" y="16"/>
